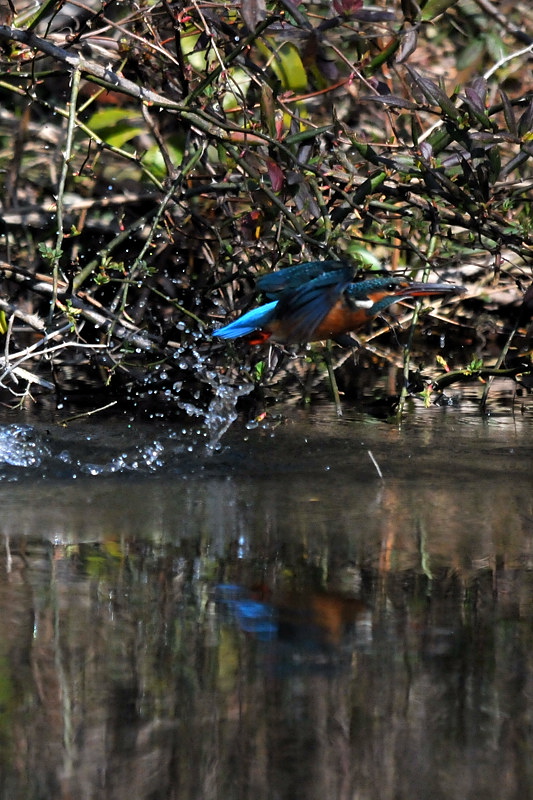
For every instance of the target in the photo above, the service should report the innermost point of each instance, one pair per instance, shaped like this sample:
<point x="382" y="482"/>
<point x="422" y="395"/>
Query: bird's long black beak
<point x="428" y="289"/>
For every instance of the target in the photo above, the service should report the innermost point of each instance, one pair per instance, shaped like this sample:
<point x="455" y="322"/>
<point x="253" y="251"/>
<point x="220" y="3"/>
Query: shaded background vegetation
<point x="156" y="157"/>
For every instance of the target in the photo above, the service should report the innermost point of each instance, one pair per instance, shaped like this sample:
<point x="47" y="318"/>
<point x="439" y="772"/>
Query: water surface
<point x="320" y="608"/>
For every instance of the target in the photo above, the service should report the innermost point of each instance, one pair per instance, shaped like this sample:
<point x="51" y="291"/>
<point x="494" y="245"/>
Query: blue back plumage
<point x="276" y="283"/>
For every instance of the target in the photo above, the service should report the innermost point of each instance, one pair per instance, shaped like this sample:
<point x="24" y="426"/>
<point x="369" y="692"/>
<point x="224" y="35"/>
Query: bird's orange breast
<point x="341" y="319"/>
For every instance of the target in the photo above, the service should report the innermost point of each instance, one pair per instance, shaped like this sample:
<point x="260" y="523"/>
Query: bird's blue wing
<point x="293" y="278"/>
<point x="248" y="323"/>
<point x="302" y="311"/>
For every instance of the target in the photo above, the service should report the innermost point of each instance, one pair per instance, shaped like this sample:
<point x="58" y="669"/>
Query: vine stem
<point x="67" y="155"/>
<point x="497" y="366"/>
<point x="414" y="320"/>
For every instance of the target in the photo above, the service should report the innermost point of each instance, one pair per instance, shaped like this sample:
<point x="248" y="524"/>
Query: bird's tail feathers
<point x="248" y="323"/>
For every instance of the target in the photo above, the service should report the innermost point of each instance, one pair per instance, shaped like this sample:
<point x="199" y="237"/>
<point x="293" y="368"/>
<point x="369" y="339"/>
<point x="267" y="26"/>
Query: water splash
<point x="221" y="412"/>
<point x="144" y="459"/>
<point x="22" y="446"/>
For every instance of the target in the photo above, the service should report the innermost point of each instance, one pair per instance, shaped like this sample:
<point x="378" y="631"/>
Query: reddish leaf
<point x="433" y="93"/>
<point x="388" y="100"/>
<point x="479" y="85"/>
<point x="509" y="114"/>
<point x="426" y="150"/>
<point x="276" y="175"/>
<point x="525" y="123"/>
<point x="346" y="7"/>
<point x="475" y="104"/>
<point x="475" y="99"/>
<point x="280" y="127"/>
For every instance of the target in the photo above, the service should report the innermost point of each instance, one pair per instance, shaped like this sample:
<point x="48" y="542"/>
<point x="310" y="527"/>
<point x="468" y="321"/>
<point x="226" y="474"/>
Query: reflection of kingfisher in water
<point x="312" y="618"/>
<point x="320" y="300"/>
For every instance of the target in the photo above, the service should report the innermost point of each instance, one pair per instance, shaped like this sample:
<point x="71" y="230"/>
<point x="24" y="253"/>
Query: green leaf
<point x="434" y="8"/>
<point x="153" y="159"/>
<point x="268" y="110"/>
<point x="107" y="117"/>
<point x="116" y="126"/>
<point x="471" y="54"/>
<point x="289" y="68"/>
<point x="364" y="257"/>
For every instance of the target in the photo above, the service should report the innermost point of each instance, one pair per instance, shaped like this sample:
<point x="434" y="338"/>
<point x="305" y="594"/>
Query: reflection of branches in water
<point x="126" y="632"/>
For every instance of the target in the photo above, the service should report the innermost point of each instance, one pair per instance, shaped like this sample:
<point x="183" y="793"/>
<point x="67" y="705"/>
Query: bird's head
<point x="376" y="294"/>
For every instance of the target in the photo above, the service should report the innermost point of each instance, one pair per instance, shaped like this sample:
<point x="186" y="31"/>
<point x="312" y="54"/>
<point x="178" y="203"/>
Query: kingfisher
<point x="320" y="300"/>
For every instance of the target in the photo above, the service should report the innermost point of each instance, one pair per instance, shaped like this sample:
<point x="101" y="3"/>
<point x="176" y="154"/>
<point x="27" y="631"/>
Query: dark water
<point x="272" y="620"/>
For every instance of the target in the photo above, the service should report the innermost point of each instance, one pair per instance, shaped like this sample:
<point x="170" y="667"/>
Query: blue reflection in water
<point x="251" y="616"/>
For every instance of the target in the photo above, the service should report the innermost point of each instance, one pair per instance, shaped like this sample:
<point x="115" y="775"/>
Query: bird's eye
<point x="391" y="287"/>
